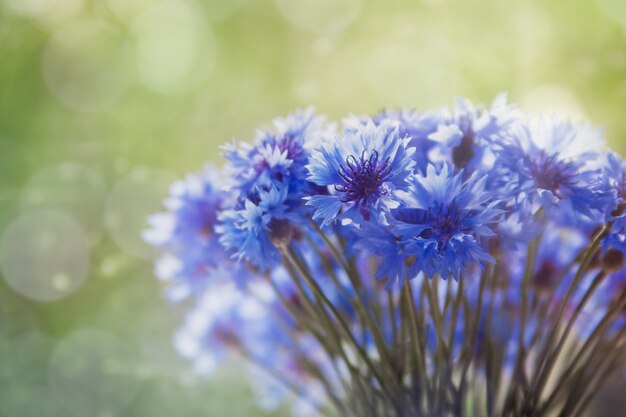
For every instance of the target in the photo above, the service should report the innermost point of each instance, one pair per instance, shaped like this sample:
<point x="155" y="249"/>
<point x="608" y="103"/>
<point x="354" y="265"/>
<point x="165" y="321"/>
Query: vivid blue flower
<point x="444" y="222"/>
<point x="553" y="164"/>
<point x="185" y="234"/>
<point x="388" y="243"/>
<point x="411" y="124"/>
<point x="362" y="169"/>
<point x="277" y="158"/>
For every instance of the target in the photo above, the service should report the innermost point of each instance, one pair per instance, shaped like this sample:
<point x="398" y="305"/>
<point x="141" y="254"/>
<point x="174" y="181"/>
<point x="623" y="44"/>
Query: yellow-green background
<point x="104" y="102"/>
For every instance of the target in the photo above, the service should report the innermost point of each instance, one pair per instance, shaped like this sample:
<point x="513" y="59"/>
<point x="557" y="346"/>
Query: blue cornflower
<point x="411" y="124"/>
<point x="185" y="235"/>
<point x="388" y="243"/>
<point x="363" y="169"/>
<point x="443" y="221"/>
<point x="466" y="131"/>
<point x="615" y="176"/>
<point x="448" y="218"/>
<point x="277" y="158"/>
<point x="302" y="126"/>
<point x="251" y="229"/>
<point x="550" y="163"/>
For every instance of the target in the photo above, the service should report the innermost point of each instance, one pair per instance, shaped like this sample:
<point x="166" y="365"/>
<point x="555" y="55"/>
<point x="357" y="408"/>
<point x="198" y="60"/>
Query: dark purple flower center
<point x="442" y="221"/>
<point x="362" y="178"/>
<point x="293" y="147"/>
<point x="463" y="154"/>
<point x="259" y="164"/>
<point x="290" y="144"/>
<point x="550" y="173"/>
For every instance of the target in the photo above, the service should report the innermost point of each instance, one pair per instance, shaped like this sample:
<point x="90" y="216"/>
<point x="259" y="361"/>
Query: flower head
<point x="467" y="130"/>
<point x="615" y="175"/>
<point x="185" y="234"/>
<point x="443" y="221"/>
<point x="410" y="124"/>
<point x="363" y="169"/>
<point x="551" y="163"/>
<point x="248" y="230"/>
<point x="277" y="158"/>
<point x="388" y="243"/>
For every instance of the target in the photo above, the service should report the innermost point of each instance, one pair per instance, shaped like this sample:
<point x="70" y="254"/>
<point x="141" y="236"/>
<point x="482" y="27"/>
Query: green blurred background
<point x="104" y="102"/>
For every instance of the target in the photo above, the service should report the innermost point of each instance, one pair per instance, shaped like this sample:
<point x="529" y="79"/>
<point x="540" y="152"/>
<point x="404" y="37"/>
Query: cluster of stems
<point x="431" y="348"/>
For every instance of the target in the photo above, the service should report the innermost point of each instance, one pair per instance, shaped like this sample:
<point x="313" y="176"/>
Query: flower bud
<point x="612" y="261"/>
<point x="281" y="232"/>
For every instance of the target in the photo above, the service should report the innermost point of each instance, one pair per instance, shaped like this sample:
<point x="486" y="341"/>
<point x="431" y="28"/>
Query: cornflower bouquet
<point x="455" y="262"/>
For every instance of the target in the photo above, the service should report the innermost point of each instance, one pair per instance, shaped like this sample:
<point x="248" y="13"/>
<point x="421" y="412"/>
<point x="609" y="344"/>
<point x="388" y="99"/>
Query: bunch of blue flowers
<point x="457" y="262"/>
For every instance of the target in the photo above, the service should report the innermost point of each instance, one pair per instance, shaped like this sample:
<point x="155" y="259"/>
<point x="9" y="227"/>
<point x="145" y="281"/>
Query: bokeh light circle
<point x="174" y="48"/>
<point x="92" y="373"/>
<point x="83" y="66"/>
<point x="73" y="188"/>
<point x="320" y="16"/>
<point x="130" y="202"/>
<point x="45" y="255"/>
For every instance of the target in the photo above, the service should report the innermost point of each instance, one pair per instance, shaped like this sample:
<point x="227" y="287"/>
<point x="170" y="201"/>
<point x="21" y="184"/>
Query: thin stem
<point x="540" y="377"/>
<point x="361" y="307"/>
<point x="288" y="254"/>
<point x="281" y="379"/>
<point x="591" y="340"/>
<point x="612" y="367"/>
<point x="330" y="352"/>
<point x="470" y="342"/>
<point x="570" y="324"/>
<point x="415" y="339"/>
